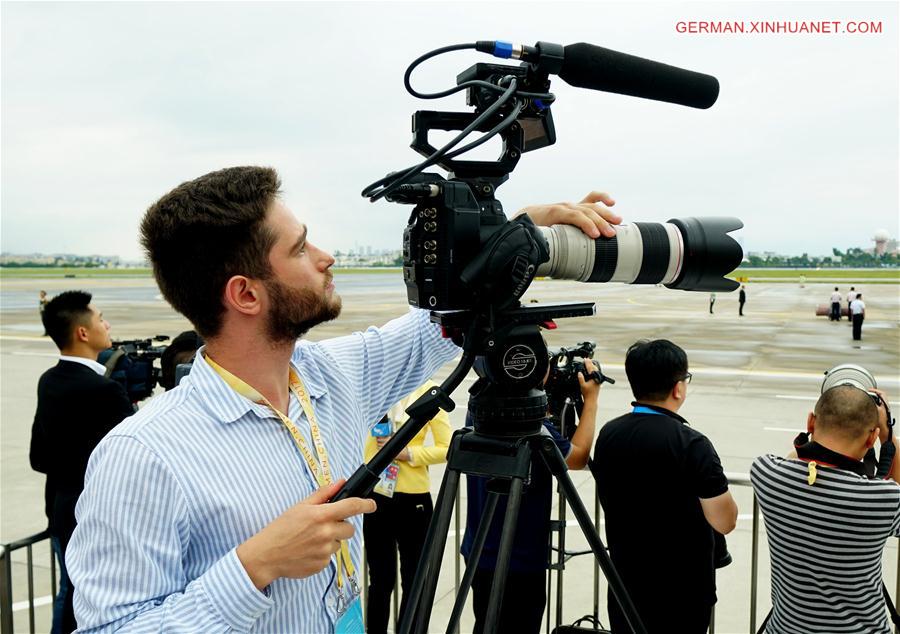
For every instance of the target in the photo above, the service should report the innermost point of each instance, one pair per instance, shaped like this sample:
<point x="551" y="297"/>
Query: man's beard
<point x="294" y="311"/>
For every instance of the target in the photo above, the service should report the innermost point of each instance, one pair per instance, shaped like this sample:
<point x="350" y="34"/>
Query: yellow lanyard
<point x="318" y="464"/>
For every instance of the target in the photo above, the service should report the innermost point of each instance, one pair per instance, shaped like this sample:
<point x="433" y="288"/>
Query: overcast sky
<point x="106" y="106"/>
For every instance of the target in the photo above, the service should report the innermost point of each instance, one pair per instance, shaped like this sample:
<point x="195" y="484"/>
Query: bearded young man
<point x="192" y="518"/>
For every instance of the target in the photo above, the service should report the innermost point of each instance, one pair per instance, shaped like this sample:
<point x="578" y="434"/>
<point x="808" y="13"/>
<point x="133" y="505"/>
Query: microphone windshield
<point x="597" y="68"/>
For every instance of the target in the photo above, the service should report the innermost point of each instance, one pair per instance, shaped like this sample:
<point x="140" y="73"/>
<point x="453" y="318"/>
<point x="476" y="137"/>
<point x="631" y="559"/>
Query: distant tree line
<point x="851" y="258"/>
<point x="50" y="265"/>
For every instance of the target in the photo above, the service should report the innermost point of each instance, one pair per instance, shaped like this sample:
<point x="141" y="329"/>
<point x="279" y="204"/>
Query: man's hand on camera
<point x="590" y="389"/>
<point x="592" y="215"/>
<point x="883" y="428"/>
<point x="300" y="542"/>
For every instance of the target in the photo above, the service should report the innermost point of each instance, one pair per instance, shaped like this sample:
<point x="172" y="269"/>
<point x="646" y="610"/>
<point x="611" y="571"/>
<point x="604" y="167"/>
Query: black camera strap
<point x="113" y="360"/>
<point x="872" y="467"/>
<point x="808" y="451"/>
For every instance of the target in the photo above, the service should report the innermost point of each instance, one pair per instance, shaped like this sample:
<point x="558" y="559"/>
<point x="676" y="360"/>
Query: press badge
<point x="387" y="481"/>
<point x="351" y="622"/>
<point x="348" y="608"/>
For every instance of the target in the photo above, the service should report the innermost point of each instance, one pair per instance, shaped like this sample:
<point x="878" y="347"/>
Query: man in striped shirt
<point x="208" y="511"/>
<point x="827" y="523"/>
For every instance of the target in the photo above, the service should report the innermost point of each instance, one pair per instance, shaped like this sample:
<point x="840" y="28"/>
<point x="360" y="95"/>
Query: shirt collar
<point x="99" y="368"/>
<point x="829" y="458"/>
<point x="226" y="404"/>
<point x="661" y="410"/>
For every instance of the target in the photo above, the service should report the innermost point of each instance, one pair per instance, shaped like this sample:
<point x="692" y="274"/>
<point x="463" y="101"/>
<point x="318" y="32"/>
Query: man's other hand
<point x="883" y="428"/>
<point x="592" y="215"/>
<point x="590" y="389"/>
<point x="300" y="542"/>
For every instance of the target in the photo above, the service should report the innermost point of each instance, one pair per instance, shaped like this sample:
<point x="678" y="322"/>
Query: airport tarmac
<point x="754" y="380"/>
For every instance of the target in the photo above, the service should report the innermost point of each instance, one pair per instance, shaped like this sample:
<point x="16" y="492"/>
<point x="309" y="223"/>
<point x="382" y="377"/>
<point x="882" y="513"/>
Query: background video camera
<point x="564" y="400"/>
<point x="142" y="364"/>
<point x="132" y="363"/>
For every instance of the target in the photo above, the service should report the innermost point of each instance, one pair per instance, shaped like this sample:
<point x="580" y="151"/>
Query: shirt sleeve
<point x="436" y="453"/>
<point x="704" y="469"/>
<point x="385" y="364"/>
<point x="895" y="526"/>
<point x="125" y="557"/>
<point x="563" y="443"/>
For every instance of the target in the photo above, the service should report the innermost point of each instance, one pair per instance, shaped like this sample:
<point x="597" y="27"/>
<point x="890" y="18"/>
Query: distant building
<point x="881" y="238"/>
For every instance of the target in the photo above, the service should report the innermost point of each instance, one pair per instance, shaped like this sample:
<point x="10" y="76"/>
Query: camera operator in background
<point x="208" y="511"/>
<point x="525" y="595"/>
<point x="828" y="518"/>
<point x="664" y="494"/>
<point x="76" y="406"/>
<point x="404" y="508"/>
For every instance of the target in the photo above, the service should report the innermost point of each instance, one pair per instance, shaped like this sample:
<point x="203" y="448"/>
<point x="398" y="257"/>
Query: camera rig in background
<point x="139" y="365"/>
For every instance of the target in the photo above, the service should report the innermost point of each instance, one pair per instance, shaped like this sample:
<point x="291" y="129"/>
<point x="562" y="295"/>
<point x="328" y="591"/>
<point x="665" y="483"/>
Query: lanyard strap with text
<point x="320" y="468"/>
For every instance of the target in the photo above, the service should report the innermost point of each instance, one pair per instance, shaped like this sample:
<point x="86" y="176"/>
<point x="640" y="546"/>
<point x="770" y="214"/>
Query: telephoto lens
<point x="849" y="374"/>
<point x="692" y="254"/>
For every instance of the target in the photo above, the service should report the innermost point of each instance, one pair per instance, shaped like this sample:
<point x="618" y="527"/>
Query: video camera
<point x="470" y="265"/>
<point x="459" y="249"/>
<point x="564" y="400"/>
<point x="132" y="362"/>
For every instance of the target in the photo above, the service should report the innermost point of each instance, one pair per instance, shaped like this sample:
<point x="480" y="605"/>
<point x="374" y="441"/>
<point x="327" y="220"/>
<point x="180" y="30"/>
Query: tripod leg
<point x="472" y="565"/>
<point x="504" y="554"/>
<point x="418" y="608"/>
<point x="558" y="468"/>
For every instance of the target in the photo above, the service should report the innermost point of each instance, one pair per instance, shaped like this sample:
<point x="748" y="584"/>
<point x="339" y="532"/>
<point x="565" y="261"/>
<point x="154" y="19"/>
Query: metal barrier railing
<point x="6" y="579"/>
<point x="6" y="569"/>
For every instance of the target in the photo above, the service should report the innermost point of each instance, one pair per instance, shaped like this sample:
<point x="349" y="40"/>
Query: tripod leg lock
<point x="426" y="406"/>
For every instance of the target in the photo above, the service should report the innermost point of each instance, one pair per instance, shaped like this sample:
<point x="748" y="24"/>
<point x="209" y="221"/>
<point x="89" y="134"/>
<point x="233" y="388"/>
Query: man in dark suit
<point x="77" y="406"/>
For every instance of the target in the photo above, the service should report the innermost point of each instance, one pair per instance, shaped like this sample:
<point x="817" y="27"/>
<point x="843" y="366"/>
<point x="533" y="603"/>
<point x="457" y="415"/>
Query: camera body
<point x="142" y="364"/>
<point x="133" y="363"/>
<point x="564" y="401"/>
<point x="461" y="252"/>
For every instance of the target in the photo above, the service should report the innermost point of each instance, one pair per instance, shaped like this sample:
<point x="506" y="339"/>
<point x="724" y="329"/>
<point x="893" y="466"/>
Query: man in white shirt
<point x="835" y="305"/>
<point x="857" y="314"/>
<point x="850" y="297"/>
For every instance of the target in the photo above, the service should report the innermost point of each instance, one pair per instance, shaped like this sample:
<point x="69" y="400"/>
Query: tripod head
<point x="507" y="400"/>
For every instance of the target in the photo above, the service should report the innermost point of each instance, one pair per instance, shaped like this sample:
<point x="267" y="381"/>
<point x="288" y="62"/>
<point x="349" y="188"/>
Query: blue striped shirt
<point x="173" y="490"/>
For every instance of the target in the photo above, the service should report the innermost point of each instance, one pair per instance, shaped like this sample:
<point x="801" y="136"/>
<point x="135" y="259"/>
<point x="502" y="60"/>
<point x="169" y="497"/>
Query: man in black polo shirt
<point x="664" y="492"/>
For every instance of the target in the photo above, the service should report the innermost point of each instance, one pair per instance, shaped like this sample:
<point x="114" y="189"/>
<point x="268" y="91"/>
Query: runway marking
<point x="794" y="430"/>
<point x="816" y="398"/>
<point x="38" y="602"/>
<point x="24" y="338"/>
<point x="19" y="353"/>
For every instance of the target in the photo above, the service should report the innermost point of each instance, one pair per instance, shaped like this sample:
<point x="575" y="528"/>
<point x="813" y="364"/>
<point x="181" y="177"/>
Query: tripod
<point x="508" y="408"/>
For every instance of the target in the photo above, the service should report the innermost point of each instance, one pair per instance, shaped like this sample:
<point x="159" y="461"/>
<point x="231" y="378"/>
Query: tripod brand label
<point x="519" y="362"/>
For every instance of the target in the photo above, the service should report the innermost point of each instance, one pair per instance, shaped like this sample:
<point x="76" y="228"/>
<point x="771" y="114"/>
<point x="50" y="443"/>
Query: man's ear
<point x="679" y="391"/>
<point x="811" y="422"/>
<point x="871" y="438"/>
<point x="243" y="294"/>
<point x="80" y="334"/>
